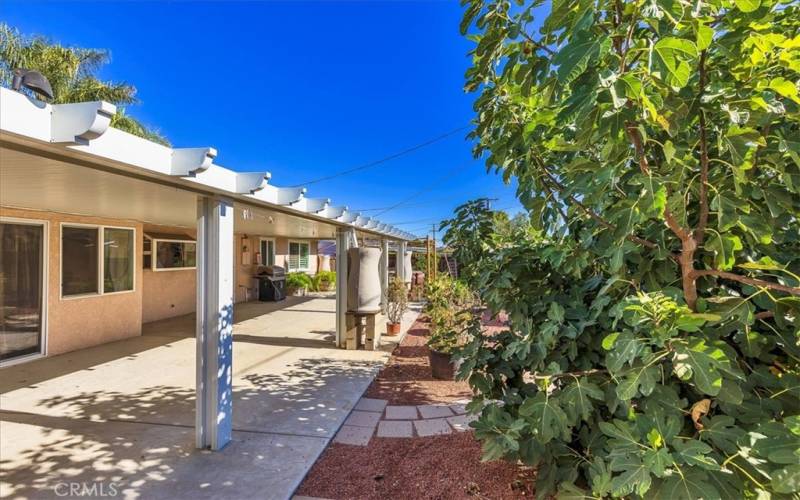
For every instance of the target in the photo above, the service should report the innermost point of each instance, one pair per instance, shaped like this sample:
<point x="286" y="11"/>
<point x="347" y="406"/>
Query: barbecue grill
<point x="271" y="283"/>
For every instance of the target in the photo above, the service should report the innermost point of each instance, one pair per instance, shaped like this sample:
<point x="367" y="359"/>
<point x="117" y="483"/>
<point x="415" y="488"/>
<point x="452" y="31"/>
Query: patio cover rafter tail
<point x="80" y="133"/>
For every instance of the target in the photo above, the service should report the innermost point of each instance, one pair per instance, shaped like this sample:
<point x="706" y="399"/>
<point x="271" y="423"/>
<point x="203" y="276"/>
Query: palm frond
<point x="126" y="123"/>
<point x="72" y="73"/>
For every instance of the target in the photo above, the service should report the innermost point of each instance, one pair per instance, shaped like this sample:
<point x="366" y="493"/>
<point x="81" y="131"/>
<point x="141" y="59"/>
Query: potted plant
<point x="447" y="335"/>
<point x="450" y="310"/>
<point x="396" y="306"/>
<point x="325" y="281"/>
<point x="297" y="284"/>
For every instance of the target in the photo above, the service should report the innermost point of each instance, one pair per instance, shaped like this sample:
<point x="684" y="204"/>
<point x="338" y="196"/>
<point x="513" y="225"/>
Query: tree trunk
<point x="686" y="259"/>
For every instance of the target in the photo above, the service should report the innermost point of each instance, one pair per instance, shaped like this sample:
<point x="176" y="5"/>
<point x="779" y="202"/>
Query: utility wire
<point x="427" y="188"/>
<point x="384" y="208"/>
<point x="416" y="221"/>
<point x="438" y="220"/>
<point x="386" y="158"/>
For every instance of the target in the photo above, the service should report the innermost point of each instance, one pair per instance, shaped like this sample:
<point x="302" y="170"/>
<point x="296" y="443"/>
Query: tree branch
<point x="688" y="243"/>
<point x="581" y="373"/>
<point x="744" y="279"/>
<point x="700" y="231"/>
<point x="536" y="45"/>
<point x="558" y="205"/>
<point x="591" y="213"/>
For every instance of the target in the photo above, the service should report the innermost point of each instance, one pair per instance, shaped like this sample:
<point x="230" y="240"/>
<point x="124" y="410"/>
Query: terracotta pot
<point x="441" y="365"/>
<point x="392" y="328"/>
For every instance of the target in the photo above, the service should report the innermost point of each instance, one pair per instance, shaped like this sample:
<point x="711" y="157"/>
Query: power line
<point x="386" y="158"/>
<point x="423" y="190"/>
<point x="406" y="222"/>
<point x="439" y="219"/>
<point x="384" y="208"/>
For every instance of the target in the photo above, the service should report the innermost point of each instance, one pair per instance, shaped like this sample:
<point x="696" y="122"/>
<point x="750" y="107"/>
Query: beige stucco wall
<point x="166" y="294"/>
<point x="282" y="253"/>
<point x="172" y="293"/>
<point x="76" y="323"/>
<point x="245" y="270"/>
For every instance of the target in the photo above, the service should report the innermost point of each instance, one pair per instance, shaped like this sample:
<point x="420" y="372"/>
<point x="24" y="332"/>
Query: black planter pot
<point x="441" y="365"/>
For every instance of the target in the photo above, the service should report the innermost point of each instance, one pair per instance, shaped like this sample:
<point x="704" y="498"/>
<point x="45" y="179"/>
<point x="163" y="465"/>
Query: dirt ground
<point x="438" y="467"/>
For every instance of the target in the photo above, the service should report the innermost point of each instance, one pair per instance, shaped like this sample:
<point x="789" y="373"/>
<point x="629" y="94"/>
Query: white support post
<point x="214" y="405"/>
<point x="401" y="261"/>
<point x="384" y="272"/>
<point x="344" y="237"/>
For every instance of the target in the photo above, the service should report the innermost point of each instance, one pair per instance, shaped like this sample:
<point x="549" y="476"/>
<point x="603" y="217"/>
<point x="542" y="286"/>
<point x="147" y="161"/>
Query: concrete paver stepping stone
<point x="434" y="411"/>
<point x="395" y="429"/>
<point x="461" y="422"/>
<point x="363" y="419"/>
<point x="401" y="413"/>
<point x="352" y="435"/>
<point x="432" y="427"/>
<point x="459" y="409"/>
<point x="370" y="404"/>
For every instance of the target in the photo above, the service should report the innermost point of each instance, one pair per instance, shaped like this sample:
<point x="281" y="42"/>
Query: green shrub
<point x="653" y="349"/>
<point x="296" y="281"/>
<point x="450" y="307"/>
<point x="324" y="280"/>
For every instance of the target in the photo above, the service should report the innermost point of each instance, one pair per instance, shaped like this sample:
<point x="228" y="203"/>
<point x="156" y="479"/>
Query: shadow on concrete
<point x="244" y="311"/>
<point x="140" y="440"/>
<point x="184" y="326"/>
<point x="324" y="342"/>
<point x="34" y="372"/>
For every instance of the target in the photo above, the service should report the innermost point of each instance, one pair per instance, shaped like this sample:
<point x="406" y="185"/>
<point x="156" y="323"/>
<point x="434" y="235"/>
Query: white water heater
<point x="324" y="262"/>
<point x="407" y="266"/>
<point x="363" y="280"/>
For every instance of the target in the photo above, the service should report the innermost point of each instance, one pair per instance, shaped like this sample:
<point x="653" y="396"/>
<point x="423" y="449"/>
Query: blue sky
<point x="300" y="89"/>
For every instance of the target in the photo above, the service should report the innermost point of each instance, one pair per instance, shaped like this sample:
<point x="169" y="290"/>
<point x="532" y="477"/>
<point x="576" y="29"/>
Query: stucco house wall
<point x="80" y="322"/>
<point x="166" y="294"/>
<point x="282" y="253"/>
<point x="246" y="265"/>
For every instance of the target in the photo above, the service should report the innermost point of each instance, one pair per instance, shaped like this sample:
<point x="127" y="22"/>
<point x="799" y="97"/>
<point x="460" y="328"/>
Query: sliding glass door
<point x="21" y="289"/>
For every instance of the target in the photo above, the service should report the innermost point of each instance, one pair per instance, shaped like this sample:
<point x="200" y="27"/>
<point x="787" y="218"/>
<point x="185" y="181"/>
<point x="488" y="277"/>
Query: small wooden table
<point x="356" y="327"/>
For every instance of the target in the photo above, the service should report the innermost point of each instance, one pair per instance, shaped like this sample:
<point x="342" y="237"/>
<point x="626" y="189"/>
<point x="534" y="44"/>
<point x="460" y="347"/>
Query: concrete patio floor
<point x="122" y="414"/>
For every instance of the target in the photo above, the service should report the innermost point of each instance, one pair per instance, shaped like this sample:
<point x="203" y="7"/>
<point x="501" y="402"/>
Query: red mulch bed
<point x="438" y="467"/>
<point x="407" y="380"/>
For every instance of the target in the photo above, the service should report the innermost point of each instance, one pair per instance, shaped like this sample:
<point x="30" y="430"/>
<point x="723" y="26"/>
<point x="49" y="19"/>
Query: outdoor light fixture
<point x="32" y="80"/>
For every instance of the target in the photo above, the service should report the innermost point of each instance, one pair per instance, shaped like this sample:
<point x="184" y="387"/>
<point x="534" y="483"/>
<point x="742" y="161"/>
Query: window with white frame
<point x="298" y="256"/>
<point x="174" y="254"/>
<point x="96" y="260"/>
<point x="266" y="252"/>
